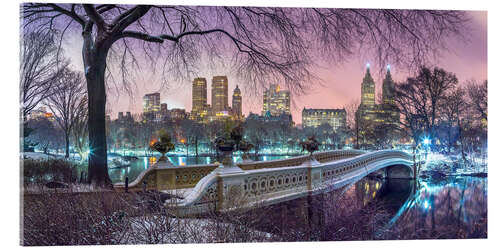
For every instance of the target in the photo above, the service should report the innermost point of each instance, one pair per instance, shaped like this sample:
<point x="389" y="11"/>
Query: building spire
<point x="388" y="74"/>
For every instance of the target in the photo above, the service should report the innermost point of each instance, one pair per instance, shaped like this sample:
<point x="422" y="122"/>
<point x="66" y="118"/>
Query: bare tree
<point x="39" y="69"/>
<point x="478" y="95"/>
<point x="266" y="44"/>
<point x="194" y="132"/>
<point x="45" y="135"/>
<point x="80" y="131"/>
<point x="419" y="99"/>
<point x="66" y="102"/>
<point x="352" y="120"/>
<point x="453" y="108"/>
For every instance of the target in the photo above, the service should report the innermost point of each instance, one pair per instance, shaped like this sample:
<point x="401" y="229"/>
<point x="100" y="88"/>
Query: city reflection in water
<point x="384" y="209"/>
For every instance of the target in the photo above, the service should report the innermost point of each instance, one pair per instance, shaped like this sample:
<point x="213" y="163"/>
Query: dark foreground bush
<point x="107" y="217"/>
<point x="43" y="171"/>
<point x="64" y="218"/>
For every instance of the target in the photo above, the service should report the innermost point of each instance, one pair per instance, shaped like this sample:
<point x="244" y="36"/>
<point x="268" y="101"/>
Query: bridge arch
<point x="394" y="169"/>
<point x="221" y="185"/>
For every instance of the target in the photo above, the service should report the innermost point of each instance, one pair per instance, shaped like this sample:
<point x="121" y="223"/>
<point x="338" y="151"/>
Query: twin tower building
<point x="386" y="113"/>
<point x="219" y="109"/>
<point x="368" y="114"/>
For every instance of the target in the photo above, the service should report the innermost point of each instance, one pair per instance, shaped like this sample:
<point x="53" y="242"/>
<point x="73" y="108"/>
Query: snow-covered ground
<point x="42" y="156"/>
<point x="37" y="156"/>
<point x="453" y="164"/>
<point x="162" y="229"/>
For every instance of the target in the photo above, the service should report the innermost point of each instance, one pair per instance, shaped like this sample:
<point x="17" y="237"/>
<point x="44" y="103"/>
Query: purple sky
<point x="341" y="83"/>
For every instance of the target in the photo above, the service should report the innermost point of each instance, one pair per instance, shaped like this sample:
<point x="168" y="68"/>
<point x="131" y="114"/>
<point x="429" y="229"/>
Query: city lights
<point x="249" y="124"/>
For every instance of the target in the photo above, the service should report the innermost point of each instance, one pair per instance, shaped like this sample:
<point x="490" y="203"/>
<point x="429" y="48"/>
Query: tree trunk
<point x="196" y="145"/>
<point x="95" y="73"/>
<point x="461" y="139"/>
<point x="66" y="138"/>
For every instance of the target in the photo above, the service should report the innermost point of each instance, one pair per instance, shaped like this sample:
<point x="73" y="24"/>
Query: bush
<point x="92" y="218"/>
<point x="42" y="171"/>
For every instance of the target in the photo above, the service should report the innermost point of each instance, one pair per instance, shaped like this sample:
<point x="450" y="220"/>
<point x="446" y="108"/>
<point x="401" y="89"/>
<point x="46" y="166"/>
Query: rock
<point x="55" y="184"/>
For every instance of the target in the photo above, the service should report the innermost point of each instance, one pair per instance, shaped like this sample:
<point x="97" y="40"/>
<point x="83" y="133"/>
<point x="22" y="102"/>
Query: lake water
<point x="375" y="209"/>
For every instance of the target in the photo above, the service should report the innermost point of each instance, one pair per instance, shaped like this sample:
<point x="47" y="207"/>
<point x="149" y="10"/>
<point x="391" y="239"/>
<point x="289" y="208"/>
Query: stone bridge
<point x="223" y="188"/>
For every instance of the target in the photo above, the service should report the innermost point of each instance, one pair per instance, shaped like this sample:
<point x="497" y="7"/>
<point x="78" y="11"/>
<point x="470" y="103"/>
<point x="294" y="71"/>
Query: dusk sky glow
<point x="340" y="85"/>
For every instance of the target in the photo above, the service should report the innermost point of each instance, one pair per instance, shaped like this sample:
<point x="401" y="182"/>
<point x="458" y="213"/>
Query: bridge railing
<point x="162" y="177"/>
<point x="273" y="185"/>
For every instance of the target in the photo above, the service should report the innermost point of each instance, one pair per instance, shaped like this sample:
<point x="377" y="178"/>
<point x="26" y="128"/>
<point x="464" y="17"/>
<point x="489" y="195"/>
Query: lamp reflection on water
<point x="426" y="205"/>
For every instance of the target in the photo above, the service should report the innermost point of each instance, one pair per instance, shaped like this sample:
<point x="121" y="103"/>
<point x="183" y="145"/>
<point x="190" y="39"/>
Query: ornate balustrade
<point x="227" y="188"/>
<point x="162" y="177"/>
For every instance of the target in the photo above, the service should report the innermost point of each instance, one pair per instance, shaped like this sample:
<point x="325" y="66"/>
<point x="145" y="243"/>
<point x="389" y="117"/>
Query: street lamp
<point x="426" y="141"/>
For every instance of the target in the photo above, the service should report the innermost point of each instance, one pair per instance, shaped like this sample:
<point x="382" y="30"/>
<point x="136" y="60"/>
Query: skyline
<point x="280" y="123"/>
<point x="341" y="82"/>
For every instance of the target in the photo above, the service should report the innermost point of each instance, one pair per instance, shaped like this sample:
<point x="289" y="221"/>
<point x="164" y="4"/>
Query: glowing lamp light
<point x="426" y="141"/>
<point x="368" y="65"/>
<point x="426" y="205"/>
<point x="388" y="67"/>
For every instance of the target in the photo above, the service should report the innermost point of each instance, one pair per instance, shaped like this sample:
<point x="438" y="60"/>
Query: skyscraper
<point x="371" y="115"/>
<point x="389" y="112"/>
<point x="237" y="113"/>
<point x="219" y="94"/>
<point x="199" y="95"/>
<point x="164" y="111"/>
<point x="368" y="89"/>
<point x="276" y="101"/>
<point x="151" y="106"/>
<point x="388" y="88"/>
<point x="366" y="109"/>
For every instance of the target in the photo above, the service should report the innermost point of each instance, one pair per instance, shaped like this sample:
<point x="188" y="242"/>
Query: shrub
<point x="42" y="171"/>
<point x="74" y="219"/>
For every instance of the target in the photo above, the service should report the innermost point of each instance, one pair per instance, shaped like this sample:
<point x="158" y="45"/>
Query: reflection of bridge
<point x="270" y="182"/>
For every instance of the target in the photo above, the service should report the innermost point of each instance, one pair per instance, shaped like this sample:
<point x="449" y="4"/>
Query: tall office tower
<point x="368" y="90"/>
<point x="388" y="88"/>
<point x="219" y="94"/>
<point x="237" y="103"/>
<point x="199" y="96"/>
<point x="151" y="106"/>
<point x="276" y="101"/>
<point x="163" y="111"/>
<point x="389" y="112"/>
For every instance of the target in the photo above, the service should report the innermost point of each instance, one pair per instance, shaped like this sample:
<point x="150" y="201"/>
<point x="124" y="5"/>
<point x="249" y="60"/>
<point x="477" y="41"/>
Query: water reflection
<point x="374" y="209"/>
<point x="450" y="208"/>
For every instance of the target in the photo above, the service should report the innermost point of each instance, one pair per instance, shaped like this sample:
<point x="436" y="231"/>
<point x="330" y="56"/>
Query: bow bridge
<point x="217" y="187"/>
